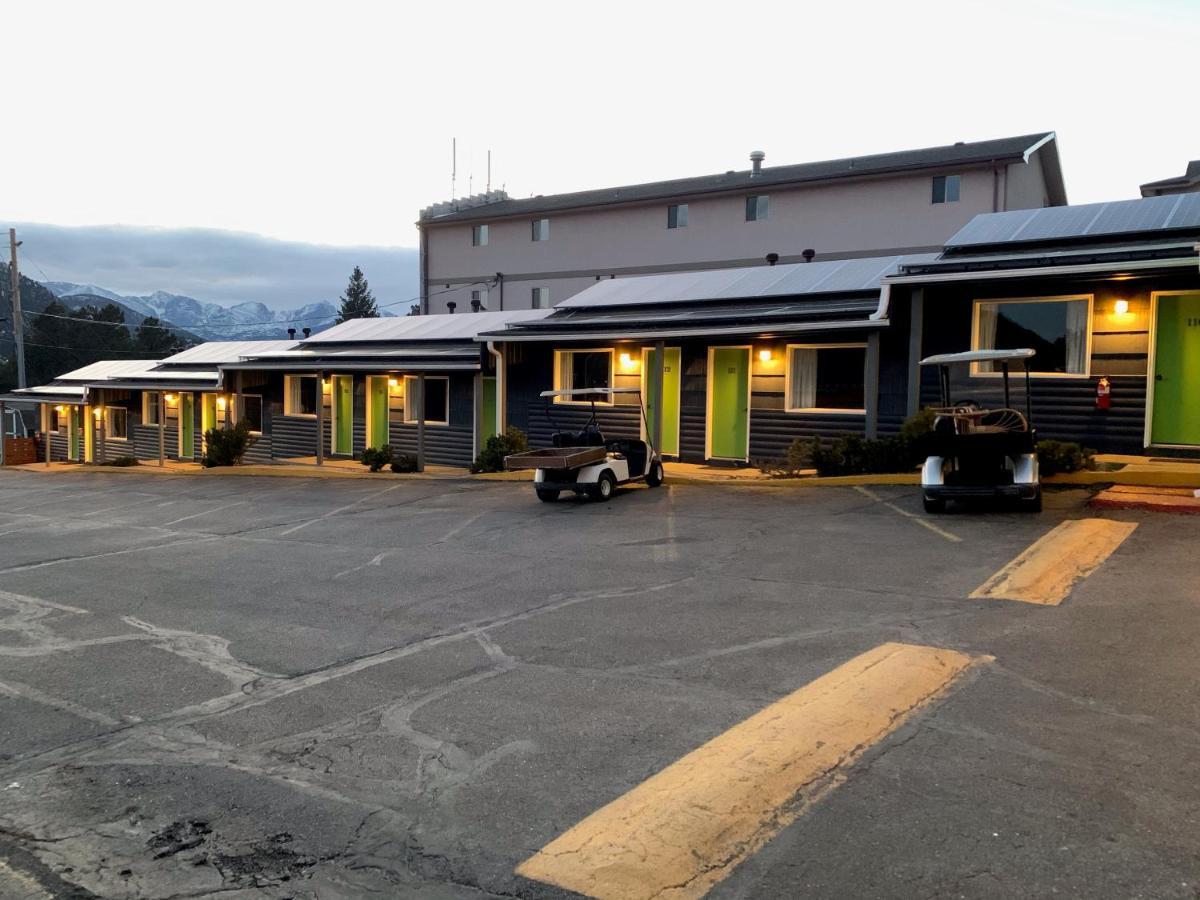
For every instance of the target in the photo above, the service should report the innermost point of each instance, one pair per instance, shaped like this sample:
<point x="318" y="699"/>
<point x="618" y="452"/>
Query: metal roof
<point x="216" y="352"/>
<point x="380" y="353"/>
<point x="44" y="392"/>
<point x="106" y="369"/>
<point x="950" y="156"/>
<point x="1174" y="212"/>
<point x="840" y="276"/>
<point x="441" y="327"/>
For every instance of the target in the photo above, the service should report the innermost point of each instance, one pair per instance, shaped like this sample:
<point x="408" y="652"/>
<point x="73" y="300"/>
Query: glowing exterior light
<point x="1121" y="307"/>
<point x="764" y="356"/>
<point x="171" y="398"/>
<point x="393" y="382"/>
<point x="626" y="360"/>
<point x="221" y="403"/>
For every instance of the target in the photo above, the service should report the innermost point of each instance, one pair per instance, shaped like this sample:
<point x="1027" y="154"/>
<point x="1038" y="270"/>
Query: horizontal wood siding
<point x="58" y="448"/>
<point x="445" y="445"/>
<point x="293" y="436"/>
<point x="145" y="443"/>
<point x="614" y="422"/>
<point x="772" y="431"/>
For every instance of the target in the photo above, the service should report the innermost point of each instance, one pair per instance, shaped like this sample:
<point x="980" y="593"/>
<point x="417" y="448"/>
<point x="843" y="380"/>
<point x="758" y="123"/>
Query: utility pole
<point x="18" y="330"/>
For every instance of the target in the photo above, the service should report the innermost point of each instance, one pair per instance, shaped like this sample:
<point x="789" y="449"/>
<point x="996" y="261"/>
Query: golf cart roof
<point x="585" y="392"/>
<point x="970" y="356"/>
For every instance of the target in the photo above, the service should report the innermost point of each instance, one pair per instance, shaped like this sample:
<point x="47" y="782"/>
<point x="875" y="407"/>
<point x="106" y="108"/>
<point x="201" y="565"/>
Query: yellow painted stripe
<point x="684" y="829"/>
<point x="1047" y="570"/>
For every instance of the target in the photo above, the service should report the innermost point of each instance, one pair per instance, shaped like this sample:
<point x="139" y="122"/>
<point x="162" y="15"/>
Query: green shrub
<point x="376" y="459"/>
<point x="227" y="446"/>
<point x="799" y="457"/>
<point x="121" y="462"/>
<point x="498" y="446"/>
<point x="404" y="462"/>
<point x="1062" y="456"/>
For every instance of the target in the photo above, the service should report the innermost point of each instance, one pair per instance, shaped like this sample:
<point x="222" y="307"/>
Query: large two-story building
<point x="500" y="253"/>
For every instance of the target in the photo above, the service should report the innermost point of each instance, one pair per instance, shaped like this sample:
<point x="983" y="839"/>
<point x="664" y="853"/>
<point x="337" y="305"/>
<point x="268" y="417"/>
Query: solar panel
<point x="1178" y="211"/>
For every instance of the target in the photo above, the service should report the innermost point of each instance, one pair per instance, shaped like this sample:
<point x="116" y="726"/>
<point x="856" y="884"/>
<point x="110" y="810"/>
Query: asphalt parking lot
<point x="276" y="687"/>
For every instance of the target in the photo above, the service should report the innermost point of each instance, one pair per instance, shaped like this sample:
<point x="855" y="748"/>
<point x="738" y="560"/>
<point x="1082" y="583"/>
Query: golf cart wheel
<point x="934" y="504"/>
<point x="604" y="487"/>
<point x="546" y="495"/>
<point x="1034" y="504"/>
<point x="655" y="476"/>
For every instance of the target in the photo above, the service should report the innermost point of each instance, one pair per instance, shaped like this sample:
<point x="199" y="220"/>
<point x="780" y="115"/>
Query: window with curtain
<point x="150" y="408"/>
<point x="116" y="420"/>
<point x="437" y="399"/>
<point x="300" y="395"/>
<point x="579" y="369"/>
<point x="252" y="412"/>
<point x="1056" y="328"/>
<point x="827" y="377"/>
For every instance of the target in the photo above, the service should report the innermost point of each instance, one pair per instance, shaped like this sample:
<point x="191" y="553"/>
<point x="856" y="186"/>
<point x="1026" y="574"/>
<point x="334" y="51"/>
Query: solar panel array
<point x="758" y="282"/>
<point x="1149" y="214"/>
<point x="443" y="327"/>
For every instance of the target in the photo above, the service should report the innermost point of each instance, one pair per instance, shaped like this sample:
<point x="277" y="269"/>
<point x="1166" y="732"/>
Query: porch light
<point x="98" y="412"/>
<point x="393" y="382"/>
<point x="324" y="384"/>
<point x="60" y="409"/>
<point x="764" y="356"/>
<point x="1121" y="307"/>
<point x="626" y="361"/>
<point x="222" y="403"/>
<point x="171" y="398"/>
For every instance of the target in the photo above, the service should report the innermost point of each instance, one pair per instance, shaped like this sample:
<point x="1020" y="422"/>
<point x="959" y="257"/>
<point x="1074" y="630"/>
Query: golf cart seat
<point x="588" y="436"/>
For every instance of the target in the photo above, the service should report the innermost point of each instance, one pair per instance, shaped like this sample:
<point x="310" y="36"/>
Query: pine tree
<point x="154" y="340"/>
<point x="358" y="302"/>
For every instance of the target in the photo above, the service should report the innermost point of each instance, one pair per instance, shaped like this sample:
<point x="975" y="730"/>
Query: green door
<point x="487" y="417"/>
<point x="208" y="413"/>
<point x="343" y="414"/>
<point x="1177" y="371"/>
<point x="187" y="426"/>
<point x="377" y="411"/>
<point x="729" y="402"/>
<point x="74" y="432"/>
<point x="670" y="401"/>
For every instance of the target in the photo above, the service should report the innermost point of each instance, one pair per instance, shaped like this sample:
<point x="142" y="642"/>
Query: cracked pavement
<point x="237" y="687"/>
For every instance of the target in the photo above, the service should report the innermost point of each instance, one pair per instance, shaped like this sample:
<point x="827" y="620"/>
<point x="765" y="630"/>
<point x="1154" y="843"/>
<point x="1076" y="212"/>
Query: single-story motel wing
<point x="740" y="361"/>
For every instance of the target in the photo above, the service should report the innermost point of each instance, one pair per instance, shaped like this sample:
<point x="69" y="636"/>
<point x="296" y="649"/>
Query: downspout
<point x="501" y="378"/>
<point x="424" y="251"/>
<point x="995" y="187"/>
<point x="500" y="281"/>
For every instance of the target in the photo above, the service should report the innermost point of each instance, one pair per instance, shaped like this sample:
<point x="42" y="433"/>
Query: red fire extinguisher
<point x="1103" y="393"/>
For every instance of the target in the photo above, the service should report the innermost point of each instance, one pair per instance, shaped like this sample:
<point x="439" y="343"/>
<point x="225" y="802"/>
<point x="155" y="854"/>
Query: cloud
<point x="208" y="264"/>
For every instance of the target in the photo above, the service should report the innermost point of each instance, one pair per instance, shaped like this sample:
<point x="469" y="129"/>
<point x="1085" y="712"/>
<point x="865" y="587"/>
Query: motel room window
<point x="945" y="188"/>
<point x="677" y="215"/>
<point x="540" y="298"/>
<point x="300" y="395"/>
<point x="252" y="412"/>
<point x="150" y="407"/>
<point x="826" y="377"/>
<point x="437" y="399"/>
<point x="1057" y="328"/>
<point x="578" y="369"/>
<point x="56" y="421"/>
<point x="756" y="208"/>
<point x="541" y="229"/>
<point x="116" y="423"/>
<point x="479" y="235"/>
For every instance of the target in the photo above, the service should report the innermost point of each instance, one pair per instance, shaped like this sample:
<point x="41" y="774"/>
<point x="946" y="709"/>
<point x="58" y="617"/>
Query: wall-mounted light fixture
<point x="60" y="409"/>
<point x="764" y="356"/>
<point x="626" y="361"/>
<point x="98" y="412"/>
<point x="324" y="384"/>
<point x="393" y="382"/>
<point x="222" y="403"/>
<point x="171" y="398"/>
<point x="1121" y="307"/>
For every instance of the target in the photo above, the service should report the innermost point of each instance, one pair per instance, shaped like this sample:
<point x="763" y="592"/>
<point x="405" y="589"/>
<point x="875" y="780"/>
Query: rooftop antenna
<point x="453" y="167"/>
<point x="489" y="178"/>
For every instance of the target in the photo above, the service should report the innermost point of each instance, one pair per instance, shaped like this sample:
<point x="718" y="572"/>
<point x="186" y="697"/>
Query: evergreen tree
<point x="358" y="302"/>
<point x="62" y="339"/>
<point x="155" y="341"/>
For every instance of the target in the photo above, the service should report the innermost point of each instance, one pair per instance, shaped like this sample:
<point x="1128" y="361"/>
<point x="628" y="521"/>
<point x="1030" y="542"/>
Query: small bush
<point x="227" y="446"/>
<point x="798" y="458"/>
<point x="376" y="458"/>
<point x="121" y="462"/>
<point x="404" y="462"/>
<point x="1062" y="456"/>
<point x="498" y="446"/>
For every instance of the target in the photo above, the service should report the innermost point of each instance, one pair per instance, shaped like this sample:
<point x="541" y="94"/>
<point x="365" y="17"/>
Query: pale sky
<point x="331" y="123"/>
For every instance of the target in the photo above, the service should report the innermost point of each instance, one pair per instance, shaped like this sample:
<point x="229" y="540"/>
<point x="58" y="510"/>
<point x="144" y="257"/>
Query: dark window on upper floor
<point x="539" y="297"/>
<point x="945" y="188"/>
<point x="677" y="216"/>
<point x="756" y="207"/>
<point x="541" y="229"/>
<point x="479" y="235"/>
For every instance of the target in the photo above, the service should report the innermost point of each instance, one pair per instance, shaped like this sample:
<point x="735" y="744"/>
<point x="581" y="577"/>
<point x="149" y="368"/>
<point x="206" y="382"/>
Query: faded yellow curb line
<point x="1050" y="567"/>
<point x="683" y="830"/>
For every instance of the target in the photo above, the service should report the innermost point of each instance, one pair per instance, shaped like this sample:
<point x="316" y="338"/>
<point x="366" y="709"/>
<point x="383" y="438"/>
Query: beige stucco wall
<point x="878" y="216"/>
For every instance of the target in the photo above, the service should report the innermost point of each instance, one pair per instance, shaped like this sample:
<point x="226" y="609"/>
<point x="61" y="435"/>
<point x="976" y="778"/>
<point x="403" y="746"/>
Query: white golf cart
<point x="976" y="453"/>
<point x="583" y="461"/>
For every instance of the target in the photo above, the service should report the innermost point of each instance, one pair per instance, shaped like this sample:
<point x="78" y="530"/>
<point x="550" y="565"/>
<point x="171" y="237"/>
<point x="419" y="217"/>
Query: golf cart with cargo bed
<point x="583" y="461"/>
<point x="978" y="454"/>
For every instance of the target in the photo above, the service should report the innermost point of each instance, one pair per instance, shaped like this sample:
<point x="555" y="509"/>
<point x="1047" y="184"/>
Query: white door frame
<point x="1151" y="360"/>
<point x="646" y="351"/>
<point x="708" y="397"/>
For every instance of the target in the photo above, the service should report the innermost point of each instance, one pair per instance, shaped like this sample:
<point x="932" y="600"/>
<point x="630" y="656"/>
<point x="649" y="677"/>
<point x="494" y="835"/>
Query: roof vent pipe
<point x="772" y="258"/>
<point x="476" y="305"/>
<point x="756" y="161"/>
<point x="307" y="331"/>
<point x="808" y="254"/>
<point x="292" y="333"/>
<point x="450" y="306"/>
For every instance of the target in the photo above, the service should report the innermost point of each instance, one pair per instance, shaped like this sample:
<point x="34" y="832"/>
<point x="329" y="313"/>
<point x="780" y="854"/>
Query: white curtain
<point x="985" y="330"/>
<point x="1077" y="325"/>
<point x="804" y="378"/>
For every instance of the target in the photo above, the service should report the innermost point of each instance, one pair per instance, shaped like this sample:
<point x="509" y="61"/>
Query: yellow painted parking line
<point x="1047" y="570"/>
<point x="924" y="523"/>
<point x="683" y="830"/>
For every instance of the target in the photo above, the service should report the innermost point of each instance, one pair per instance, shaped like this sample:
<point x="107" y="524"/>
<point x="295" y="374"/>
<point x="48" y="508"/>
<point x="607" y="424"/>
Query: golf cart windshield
<point x="971" y="356"/>
<point x="590" y="392"/>
<point x="966" y="415"/>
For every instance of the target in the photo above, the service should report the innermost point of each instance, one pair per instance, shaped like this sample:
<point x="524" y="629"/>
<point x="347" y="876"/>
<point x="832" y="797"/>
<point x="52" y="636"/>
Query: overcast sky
<point x="331" y="123"/>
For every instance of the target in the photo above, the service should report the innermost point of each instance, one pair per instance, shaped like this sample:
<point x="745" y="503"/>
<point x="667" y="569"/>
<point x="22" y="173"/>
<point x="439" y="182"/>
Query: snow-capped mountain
<point x="212" y="321"/>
